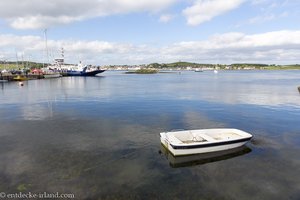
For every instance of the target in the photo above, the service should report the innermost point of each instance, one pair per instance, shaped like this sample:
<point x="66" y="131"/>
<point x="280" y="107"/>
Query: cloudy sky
<point x="107" y="32"/>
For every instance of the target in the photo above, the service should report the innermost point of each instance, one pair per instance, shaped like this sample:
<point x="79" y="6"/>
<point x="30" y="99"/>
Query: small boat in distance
<point x="198" y="70"/>
<point x="20" y="78"/>
<point x="190" y="142"/>
<point x="52" y="75"/>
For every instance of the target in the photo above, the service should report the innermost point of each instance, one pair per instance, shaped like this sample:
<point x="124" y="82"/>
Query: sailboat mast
<point x="46" y="45"/>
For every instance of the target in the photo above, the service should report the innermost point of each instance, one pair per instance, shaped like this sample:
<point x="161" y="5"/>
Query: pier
<point x="11" y="77"/>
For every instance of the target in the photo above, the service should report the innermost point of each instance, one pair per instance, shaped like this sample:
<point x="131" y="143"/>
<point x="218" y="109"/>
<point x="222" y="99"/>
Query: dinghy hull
<point x="181" y="143"/>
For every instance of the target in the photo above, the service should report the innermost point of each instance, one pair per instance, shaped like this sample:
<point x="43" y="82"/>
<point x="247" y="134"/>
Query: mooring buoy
<point x="21" y="83"/>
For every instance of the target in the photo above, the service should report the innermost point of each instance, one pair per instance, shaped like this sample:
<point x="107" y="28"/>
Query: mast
<point x="46" y="45"/>
<point x="17" y="59"/>
<point x="62" y="55"/>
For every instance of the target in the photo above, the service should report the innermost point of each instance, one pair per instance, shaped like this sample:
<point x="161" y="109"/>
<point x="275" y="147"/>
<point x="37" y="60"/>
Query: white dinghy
<point x="190" y="142"/>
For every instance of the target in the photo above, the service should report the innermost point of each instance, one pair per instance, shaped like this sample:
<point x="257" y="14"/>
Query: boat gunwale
<point x="83" y="73"/>
<point x="204" y="144"/>
<point x="208" y="144"/>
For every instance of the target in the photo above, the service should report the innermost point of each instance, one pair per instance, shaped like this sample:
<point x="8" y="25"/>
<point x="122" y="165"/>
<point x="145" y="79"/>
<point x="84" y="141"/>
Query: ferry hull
<point x="82" y="73"/>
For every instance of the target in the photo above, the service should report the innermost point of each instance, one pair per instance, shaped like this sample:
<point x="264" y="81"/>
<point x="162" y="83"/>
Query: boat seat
<point x="173" y="139"/>
<point x="227" y="135"/>
<point x="196" y="138"/>
<point x="207" y="137"/>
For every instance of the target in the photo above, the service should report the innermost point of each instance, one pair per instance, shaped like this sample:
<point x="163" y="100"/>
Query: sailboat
<point x="60" y="68"/>
<point x="216" y="69"/>
<point x="48" y="72"/>
<point x="74" y="70"/>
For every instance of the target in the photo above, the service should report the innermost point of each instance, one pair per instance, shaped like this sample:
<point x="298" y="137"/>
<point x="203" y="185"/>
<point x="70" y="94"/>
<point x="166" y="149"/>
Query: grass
<point x="9" y="66"/>
<point x="20" y="65"/>
<point x="144" y="71"/>
<point x="283" y="67"/>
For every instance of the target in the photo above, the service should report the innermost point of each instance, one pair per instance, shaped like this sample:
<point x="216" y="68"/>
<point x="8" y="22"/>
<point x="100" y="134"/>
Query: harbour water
<point x="98" y="137"/>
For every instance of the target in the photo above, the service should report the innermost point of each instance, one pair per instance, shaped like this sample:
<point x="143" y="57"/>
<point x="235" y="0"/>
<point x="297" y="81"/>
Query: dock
<point x="11" y="77"/>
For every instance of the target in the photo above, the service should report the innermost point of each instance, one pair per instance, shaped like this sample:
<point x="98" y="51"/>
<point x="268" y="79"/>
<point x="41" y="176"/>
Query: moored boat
<point x="20" y="78"/>
<point x="73" y="70"/>
<point x="198" y="70"/>
<point x="52" y="75"/>
<point x="190" y="142"/>
<point x="85" y="71"/>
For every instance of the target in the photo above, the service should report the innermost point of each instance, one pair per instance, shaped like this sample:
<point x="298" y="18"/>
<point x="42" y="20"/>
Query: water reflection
<point x="98" y="137"/>
<point x="200" y="159"/>
<point x="254" y="88"/>
<point x="2" y="85"/>
<point x="63" y="89"/>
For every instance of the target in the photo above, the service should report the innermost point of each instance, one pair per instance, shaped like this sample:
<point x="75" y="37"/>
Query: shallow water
<point x="98" y="137"/>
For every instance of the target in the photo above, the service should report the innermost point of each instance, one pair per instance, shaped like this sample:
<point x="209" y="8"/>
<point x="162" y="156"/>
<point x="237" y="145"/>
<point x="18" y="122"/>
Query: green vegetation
<point x="282" y="67"/>
<point x="144" y="71"/>
<point x="23" y="187"/>
<point x="178" y="65"/>
<point x="235" y="66"/>
<point x="21" y="65"/>
<point x="248" y="66"/>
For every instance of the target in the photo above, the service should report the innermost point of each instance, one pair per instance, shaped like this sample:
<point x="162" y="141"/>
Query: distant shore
<point x="13" y="66"/>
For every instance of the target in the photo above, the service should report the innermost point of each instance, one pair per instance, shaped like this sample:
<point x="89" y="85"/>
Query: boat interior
<point x="194" y="136"/>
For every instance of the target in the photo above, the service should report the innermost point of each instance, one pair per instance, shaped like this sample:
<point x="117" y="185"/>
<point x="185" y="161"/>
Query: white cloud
<point x="279" y="47"/>
<point x="269" y="10"/>
<point x="33" y="14"/>
<point x="204" y="10"/>
<point x="262" y="19"/>
<point x="258" y="2"/>
<point x="40" y="22"/>
<point x="166" y="18"/>
<point x="271" y="47"/>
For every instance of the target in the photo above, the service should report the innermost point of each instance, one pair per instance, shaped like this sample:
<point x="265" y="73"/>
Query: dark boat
<point x="74" y="70"/>
<point x="86" y="71"/>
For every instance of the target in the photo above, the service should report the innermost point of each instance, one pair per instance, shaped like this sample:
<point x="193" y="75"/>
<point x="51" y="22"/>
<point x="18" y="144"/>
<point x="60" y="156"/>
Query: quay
<point x="13" y="77"/>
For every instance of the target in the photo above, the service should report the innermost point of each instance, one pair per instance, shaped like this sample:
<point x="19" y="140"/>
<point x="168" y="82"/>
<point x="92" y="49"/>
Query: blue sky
<point x="106" y="32"/>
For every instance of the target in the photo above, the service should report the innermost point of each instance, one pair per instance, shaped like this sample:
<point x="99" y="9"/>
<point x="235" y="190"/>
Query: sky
<point x="131" y="32"/>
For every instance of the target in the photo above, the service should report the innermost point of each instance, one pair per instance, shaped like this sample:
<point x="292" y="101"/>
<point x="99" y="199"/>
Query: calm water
<point x="98" y="137"/>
